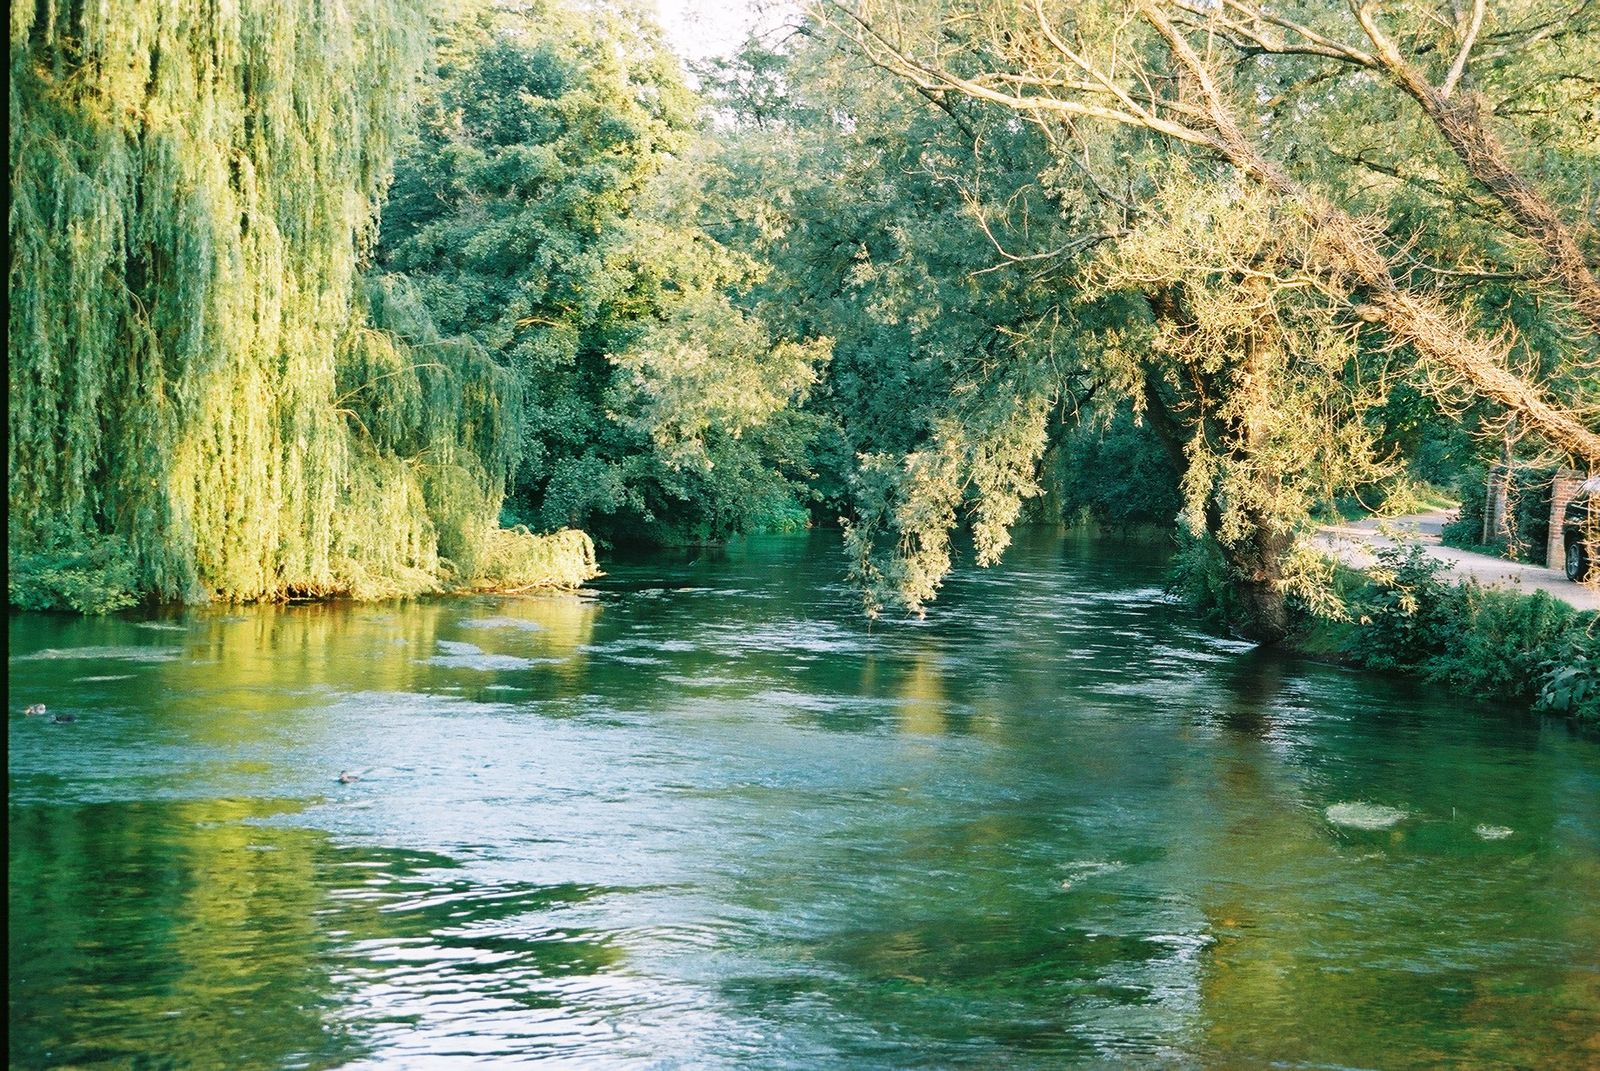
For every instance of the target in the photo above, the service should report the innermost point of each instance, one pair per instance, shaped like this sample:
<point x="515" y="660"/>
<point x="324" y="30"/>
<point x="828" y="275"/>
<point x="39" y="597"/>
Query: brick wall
<point x="1566" y="485"/>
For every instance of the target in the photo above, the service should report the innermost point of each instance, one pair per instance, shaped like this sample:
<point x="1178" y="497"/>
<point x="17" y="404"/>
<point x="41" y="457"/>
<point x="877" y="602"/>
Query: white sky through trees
<point x="700" y="29"/>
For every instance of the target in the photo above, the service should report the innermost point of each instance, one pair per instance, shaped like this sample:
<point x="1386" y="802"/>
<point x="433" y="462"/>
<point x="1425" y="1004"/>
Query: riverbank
<point x="95" y="577"/>
<point x="1409" y="612"/>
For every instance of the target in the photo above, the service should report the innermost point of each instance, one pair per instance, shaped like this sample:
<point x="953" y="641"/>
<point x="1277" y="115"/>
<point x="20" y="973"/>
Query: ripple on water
<point x="503" y="622"/>
<point x="123" y="654"/>
<point x="948" y="843"/>
<point x="456" y="655"/>
<point x="1082" y="870"/>
<point x="1364" y="815"/>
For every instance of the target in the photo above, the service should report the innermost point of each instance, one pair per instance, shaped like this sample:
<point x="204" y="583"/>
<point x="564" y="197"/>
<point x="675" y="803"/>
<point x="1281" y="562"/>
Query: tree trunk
<point x="1255" y="564"/>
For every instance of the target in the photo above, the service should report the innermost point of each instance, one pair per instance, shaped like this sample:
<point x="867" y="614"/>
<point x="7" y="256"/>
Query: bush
<point x="88" y="574"/>
<point x="1501" y="643"/>
<point x="1570" y="679"/>
<point x="1484" y="642"/>
<point x="516" y="560"/>
<point x="1199" y="577"/>
<point x="1402" y="611"/>
<point x="1530" y="515"/>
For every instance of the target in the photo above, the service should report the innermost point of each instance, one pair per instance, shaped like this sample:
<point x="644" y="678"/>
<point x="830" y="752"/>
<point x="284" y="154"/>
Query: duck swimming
<point x="348" y="778"/>
<point x="35" y="711"/>
<point x="63" y="719"/>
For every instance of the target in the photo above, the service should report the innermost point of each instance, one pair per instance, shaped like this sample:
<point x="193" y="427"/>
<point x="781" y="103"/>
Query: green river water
<point x="706" y="817"/>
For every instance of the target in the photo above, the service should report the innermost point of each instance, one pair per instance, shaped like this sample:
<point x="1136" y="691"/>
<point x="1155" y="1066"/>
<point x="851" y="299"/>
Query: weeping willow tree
<point x="193" y="192"/>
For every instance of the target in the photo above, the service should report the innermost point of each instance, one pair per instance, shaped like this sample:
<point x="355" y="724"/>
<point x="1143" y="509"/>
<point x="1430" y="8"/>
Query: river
<point x="709" y="817"/>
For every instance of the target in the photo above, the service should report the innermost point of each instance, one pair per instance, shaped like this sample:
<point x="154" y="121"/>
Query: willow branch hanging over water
<point x="193" y="191"/>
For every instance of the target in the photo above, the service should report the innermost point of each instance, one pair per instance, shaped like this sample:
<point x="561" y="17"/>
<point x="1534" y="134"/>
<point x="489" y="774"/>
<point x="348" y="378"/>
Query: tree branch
<point x="1460" y="65"/>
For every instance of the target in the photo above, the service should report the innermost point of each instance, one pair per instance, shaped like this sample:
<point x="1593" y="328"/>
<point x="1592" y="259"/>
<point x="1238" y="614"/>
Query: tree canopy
<point x="311" y="300"/>
<point x="548" y="206"/>
<point x="1277" y="224"/>
<point x="199" y="387"/>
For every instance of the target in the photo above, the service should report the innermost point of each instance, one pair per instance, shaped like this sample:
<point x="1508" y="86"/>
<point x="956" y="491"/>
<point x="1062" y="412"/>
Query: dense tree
<point x="1155" y="67"/>
<point x="904" y="269"/>
<point x="886" y="222"/>
<point x="547" y="207"/>
<point x="1173" y="106"/>
<point x="192" y="191"/>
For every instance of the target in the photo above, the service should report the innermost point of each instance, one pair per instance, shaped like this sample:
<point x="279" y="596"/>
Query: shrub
<point x="1570" y="678"/>
<point x="1404" y="494"/>
<point x="1199" y="577"/>
<point x="1484" y="642"/>
<point x="1402" y="611"/>
<point x="1500" y="643"/>
<point x="90" y="574"/>
<point x="516" y="560"/>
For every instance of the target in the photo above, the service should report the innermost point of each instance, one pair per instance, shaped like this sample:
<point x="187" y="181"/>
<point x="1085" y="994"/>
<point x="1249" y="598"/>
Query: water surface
<point x="709" y="818"/>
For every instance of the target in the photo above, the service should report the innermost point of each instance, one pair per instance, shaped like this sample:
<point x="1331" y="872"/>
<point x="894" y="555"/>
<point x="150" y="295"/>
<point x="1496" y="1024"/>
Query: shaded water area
<point x="709" y="818"/>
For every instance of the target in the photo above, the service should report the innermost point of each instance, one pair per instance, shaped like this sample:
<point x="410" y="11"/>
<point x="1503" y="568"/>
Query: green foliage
<point x="1405" y="494"/>
<point x="1199" y="576"/>
<point x="1263" y="365"/>
<point x="1571" y="677"/>
<point x="199" y="374"/>
<point x="1486" y="642"/>
<point x="1466" y="528"/>
<point x="1436" y="444"/>
<point x="547" y="210"/>
<point x="515" y="560"/>
<point x="191" y="191"/>
<point x="442" y="404"/>
<point x="1403" y="610"/>
<point x="1222" y="300"/>
<point x="1499" y="643"/>
<point x="1113" y="471"/>
<point x="89" y="575"/>
<point x="880" y="218"/>
<point x="1528" y="513"/>
<point x="964" y="269"/>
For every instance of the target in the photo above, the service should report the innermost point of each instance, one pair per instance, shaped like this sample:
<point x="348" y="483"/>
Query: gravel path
<point x="1355" y="543"/>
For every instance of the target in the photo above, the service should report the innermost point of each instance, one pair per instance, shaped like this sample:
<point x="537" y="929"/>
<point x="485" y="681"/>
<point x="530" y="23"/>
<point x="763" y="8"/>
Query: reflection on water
<point x="708" y="817"/>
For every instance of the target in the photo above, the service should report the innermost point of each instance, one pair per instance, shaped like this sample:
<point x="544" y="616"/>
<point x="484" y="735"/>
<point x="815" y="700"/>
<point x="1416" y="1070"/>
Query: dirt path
<point x="1355" y="543"/>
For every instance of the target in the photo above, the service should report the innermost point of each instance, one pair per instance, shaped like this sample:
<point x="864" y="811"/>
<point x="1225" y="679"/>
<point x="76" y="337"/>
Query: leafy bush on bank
<point x="517" y="560"/>
<point x="91" y="575"/>
<point x="1486" y="642"/>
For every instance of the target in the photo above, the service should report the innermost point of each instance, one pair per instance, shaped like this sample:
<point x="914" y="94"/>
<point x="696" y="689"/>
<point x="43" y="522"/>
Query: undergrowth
<point x="1485" y="642"/>
<point x="87" y="574"/>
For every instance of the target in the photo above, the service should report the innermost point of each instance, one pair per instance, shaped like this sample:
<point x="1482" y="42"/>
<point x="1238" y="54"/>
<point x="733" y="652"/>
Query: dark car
<point x="1579" y="528"/>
